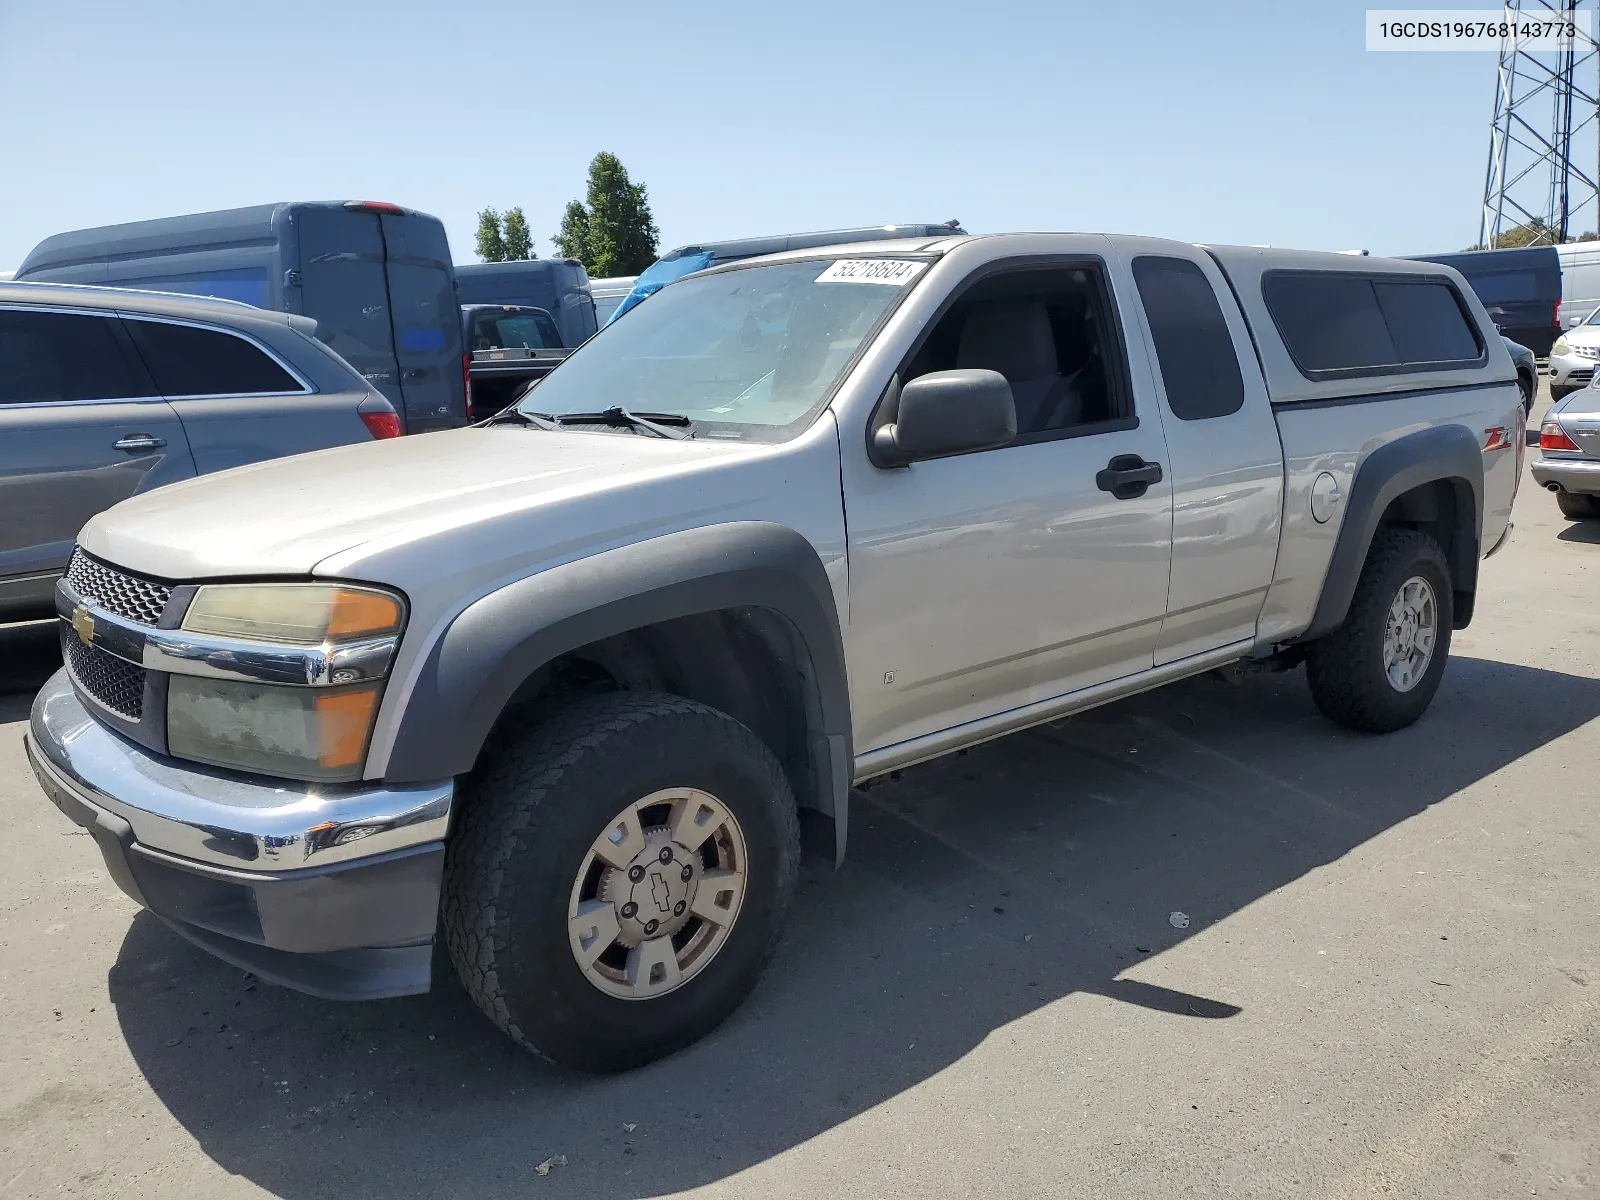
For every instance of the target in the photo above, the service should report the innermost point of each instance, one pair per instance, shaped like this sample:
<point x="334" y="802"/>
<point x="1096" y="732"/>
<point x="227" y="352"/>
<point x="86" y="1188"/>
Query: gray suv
<point x="108" y="392"/>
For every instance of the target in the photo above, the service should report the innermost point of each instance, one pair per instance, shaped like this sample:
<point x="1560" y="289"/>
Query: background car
<point x="1580" y="281"/>
<point x="511" y="346"/>
<point x="1527" y="373"/>
<point x="1573" y="357"/>
<point x="375" y="277"/>
<point x="107" y="392"/>
<point x="1569" y="454"/>
<point x="560" y="286"/>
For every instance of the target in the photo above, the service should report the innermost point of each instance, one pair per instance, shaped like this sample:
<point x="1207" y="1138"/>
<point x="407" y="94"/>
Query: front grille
<point x="1581" y="375"/>
<point x="131" y="597"/>
<point x="114" y="682"/>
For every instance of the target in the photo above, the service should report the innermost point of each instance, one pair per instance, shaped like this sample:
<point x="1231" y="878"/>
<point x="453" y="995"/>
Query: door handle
<point x="416" y="373"/>
<point x="134" y="442"/>
<point x="1127" y="476"/>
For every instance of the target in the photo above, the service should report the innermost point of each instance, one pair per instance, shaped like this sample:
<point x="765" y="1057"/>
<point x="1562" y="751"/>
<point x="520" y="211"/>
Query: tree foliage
<point x="504" y="237"/>
<point x="491" y="238"/>
<point x="1533" y="232"/>
<point x="612" y="232"/>
<point x="572" y="241"/>
<point x="519" y="242"/>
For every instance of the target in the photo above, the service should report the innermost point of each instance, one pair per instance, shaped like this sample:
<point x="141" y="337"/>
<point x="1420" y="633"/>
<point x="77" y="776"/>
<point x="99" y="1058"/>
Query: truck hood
<point x="285" y="516"/>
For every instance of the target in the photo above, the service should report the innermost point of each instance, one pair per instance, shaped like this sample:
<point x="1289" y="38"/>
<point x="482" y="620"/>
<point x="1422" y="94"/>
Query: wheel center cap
<point x="654" y="893"/>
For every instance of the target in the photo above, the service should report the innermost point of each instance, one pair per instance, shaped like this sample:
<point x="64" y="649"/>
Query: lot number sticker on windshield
<point x="892" y="271"/>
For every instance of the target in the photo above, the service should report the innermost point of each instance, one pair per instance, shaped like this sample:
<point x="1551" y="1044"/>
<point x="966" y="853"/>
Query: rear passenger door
<point x="1226" y="463"/>
<point x="238" y="401"/>
<point x="81" y="427"/>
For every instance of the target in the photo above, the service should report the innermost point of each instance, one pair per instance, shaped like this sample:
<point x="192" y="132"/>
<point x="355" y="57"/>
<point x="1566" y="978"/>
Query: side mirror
<point x="944" y="413"/>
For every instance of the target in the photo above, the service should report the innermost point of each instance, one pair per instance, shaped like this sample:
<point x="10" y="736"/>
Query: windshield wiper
<point x="542" y="420"/>
<point x="655" y="422"/>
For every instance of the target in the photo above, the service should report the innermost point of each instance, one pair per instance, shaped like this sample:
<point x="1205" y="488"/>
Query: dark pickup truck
<point x="511" y="346"/>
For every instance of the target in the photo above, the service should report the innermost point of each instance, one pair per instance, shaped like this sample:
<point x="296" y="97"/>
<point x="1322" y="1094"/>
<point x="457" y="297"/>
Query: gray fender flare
<point x="1443" y="452"/>
<point x="499" y="641"/>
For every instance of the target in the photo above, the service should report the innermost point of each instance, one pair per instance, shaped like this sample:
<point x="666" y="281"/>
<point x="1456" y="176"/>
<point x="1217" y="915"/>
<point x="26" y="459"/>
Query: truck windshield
<point x="748" y="353"/>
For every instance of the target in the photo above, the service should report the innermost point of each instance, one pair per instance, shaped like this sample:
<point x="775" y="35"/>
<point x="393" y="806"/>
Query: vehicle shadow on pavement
<point x="979" y="889"/>
<point x="1581" y="531"/>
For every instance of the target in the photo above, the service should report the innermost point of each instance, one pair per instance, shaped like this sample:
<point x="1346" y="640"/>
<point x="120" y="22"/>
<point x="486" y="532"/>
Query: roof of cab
<point x="888" y="247"/>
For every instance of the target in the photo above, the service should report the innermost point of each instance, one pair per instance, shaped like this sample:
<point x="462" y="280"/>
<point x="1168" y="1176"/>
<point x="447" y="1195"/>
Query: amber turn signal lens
<point x="343" y="721"/>
<point x="362" y="614"/>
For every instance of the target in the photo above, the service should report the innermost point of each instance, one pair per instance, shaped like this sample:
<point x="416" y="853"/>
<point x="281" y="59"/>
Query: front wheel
<point x="619" y="877"/>
<point x="1378" y="671"/>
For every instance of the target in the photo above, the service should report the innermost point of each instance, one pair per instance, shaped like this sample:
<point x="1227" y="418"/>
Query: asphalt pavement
<point x="1200" y="943"/>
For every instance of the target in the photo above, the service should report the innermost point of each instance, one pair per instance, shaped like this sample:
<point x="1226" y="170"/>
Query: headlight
<point x="301" y="614"/>
<point x="298" y="732"/>
<point x="318" y="734"/>
<point x="1561" y="347"/>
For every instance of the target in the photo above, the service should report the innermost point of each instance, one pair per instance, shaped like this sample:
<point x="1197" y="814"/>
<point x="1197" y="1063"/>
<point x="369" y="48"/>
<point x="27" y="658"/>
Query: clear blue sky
<point x="1246" y="121"/>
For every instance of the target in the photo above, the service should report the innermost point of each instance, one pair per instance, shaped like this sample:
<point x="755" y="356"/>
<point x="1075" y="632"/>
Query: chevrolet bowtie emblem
<point x="83" y="624"/>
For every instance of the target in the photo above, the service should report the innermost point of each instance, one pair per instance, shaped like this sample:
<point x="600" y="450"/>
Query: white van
<point x="1580" y="281"/>
<point x="609" y="293"/>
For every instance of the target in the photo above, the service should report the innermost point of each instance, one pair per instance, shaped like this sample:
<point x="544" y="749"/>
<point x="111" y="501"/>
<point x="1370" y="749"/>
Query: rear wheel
<point x="1378" y="671"/>
<point x="619" y="877"/>
<point x="1575" y="506"/>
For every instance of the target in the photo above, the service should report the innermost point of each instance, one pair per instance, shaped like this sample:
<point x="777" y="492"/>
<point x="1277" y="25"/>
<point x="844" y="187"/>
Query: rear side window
<point x="1199" y="366"/>
<point x="63" y="356"/>
<point x="186" y="361"/>
<point x="1426" y="322"/>
<point x="1341" y="324"/>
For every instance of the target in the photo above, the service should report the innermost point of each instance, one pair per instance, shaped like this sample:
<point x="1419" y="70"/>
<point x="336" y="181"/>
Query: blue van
<point x="376" y="278"/>
<point x="560" y="286"/>
<point x="686" y="260"/>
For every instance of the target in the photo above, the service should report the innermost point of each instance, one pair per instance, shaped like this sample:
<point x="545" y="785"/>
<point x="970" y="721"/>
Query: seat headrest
<point x="1010" y="336"/>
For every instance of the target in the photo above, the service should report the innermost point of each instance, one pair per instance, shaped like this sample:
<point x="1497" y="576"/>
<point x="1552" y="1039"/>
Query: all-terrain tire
<point x="1345" y="668"/>
<point x="1576" y="506"/>
<point x="526" y="826"/>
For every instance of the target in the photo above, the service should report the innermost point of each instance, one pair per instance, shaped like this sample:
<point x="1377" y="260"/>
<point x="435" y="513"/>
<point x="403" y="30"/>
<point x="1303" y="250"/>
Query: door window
<point x="63" y="356"/>
<point x="1199" y="366"/>
<point x="1050" y="332"/>
<point x="186" y="361"/>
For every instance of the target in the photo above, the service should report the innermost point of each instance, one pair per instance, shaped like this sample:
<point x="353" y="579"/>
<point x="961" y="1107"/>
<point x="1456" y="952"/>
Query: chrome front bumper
<point x="329" y="890"/>
<point x="1573" y="474"/>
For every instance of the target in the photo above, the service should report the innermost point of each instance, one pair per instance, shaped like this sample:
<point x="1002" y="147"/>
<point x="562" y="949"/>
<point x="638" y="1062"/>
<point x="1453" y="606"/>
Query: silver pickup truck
<point x="572" y="689"/>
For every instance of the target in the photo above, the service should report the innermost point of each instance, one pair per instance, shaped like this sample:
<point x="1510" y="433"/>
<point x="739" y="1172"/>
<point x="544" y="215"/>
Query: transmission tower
<point x="1546" y="123"/>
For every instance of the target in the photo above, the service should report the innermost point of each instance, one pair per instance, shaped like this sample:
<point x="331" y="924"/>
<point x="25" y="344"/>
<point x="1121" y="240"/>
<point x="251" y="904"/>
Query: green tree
<point x="491" y="240"/>
<point x="1533" y="232"/>
<point x="573" y="239"/>
<point x="519" y="243"/>
<point x="614" y="233"/>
